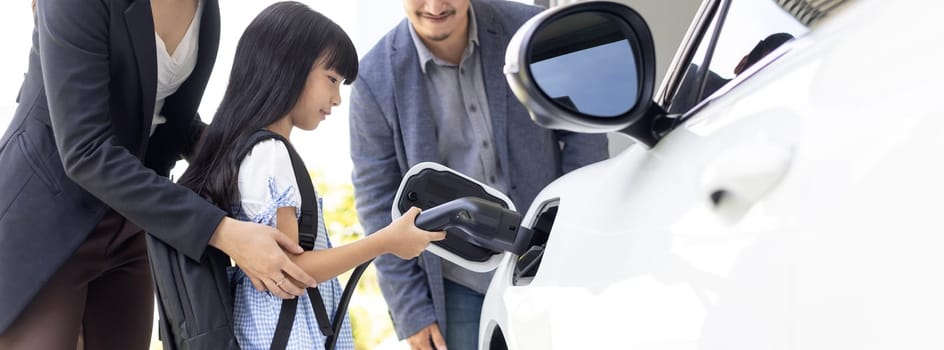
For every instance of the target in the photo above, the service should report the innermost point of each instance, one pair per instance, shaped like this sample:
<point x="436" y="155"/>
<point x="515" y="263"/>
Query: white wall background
<point x="16" y="24"/>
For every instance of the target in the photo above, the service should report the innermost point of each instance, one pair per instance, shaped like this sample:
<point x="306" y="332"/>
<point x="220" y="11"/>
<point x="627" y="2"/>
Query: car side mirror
<point x="587" y="67"/>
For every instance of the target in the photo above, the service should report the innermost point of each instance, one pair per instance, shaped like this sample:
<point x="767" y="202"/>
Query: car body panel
<point x="827" y="232"/>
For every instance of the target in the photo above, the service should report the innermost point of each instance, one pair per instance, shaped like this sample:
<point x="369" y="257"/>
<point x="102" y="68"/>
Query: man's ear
<point x="741" y="66"/>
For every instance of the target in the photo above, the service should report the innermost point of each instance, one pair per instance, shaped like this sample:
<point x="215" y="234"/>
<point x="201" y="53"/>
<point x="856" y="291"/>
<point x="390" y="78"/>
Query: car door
<point x="642" y="245"/>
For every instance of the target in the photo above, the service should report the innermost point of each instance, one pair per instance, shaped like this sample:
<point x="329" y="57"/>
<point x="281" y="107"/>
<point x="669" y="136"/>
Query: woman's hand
<point x="407" y="241"/>
<point x="260" y="251"/>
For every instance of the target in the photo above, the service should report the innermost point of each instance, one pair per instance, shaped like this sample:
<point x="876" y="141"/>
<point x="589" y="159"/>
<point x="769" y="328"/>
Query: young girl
<point x="288" y="67"/>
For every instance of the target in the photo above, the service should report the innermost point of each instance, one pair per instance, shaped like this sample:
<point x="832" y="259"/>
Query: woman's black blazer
<point x="78" y="143"/>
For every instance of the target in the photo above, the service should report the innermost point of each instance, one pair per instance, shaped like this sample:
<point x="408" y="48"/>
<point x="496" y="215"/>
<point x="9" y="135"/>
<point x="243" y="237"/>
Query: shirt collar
<point x="426" y="56"/>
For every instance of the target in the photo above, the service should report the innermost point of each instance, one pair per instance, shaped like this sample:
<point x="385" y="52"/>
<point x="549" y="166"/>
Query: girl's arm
<point x="401" y="238"/>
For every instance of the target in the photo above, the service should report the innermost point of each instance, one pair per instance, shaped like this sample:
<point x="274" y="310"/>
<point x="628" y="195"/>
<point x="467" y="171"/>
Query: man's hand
<point x="429" y="338"/>
<point x="258" y="250"/>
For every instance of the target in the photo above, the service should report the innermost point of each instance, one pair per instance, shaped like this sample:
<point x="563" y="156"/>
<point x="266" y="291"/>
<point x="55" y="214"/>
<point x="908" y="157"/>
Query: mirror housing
<point x="600" y="34"/>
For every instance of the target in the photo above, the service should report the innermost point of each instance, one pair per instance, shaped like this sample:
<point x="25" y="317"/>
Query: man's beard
<point x="439" y="37"/>
<point x="443" y="36"/>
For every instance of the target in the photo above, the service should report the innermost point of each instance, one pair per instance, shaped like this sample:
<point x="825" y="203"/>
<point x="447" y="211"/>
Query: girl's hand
<point x="407" y="241"/>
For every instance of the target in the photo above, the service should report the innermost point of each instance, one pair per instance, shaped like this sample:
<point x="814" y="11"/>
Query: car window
<point x="750" y="30"/>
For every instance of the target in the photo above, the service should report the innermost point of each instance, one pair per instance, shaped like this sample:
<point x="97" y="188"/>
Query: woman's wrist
<point x="218" y="239"/>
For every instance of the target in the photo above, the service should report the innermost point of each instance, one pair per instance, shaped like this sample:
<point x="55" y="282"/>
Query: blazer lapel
<point x="141" y="30"/>
<point x="492" y="42"/>
<point x="181" y="106"/>
<point x="411" y="95"/>
<point x="208" y="47"/>
<point x="209" y="40"/>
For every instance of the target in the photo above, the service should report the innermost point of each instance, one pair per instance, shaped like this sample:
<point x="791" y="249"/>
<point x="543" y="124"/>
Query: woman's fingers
<point x="273" y="286"/>
<point x="288" y="244"/>
<point x="287" y="285"/>
<point x="257" y="283"/>
<point x="258" y="250"/>
<point x="289" y="267"/>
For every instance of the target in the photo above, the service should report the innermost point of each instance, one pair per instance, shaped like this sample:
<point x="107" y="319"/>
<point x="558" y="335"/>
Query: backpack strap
<point x="307" y="234"/>
<point x="283" y="329"/>
<point x="308" y="220"/>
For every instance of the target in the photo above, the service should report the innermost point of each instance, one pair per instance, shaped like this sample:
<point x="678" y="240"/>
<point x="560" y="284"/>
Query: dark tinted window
<point x="750" y="30"/>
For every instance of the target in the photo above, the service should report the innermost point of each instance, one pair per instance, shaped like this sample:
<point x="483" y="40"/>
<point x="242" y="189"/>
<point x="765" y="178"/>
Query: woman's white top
<point x="173" y="70"/>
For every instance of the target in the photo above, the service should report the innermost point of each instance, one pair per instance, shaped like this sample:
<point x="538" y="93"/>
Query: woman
<point x="108" y="105"/>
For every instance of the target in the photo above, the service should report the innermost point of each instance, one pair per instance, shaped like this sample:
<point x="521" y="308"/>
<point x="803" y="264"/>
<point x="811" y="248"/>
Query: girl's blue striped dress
<point x="267" y="182"/>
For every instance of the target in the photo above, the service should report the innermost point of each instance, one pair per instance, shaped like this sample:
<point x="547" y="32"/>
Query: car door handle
<point x="740" y="177"/>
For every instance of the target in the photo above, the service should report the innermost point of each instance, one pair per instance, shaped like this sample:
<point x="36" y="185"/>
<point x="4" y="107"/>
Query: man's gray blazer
<point x="392" y="129"/>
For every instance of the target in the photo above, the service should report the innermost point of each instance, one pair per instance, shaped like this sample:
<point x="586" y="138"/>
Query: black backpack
<point x="195" y="298"/>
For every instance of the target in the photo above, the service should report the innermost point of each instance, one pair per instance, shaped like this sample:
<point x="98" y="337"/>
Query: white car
<point x="795" y="205"/>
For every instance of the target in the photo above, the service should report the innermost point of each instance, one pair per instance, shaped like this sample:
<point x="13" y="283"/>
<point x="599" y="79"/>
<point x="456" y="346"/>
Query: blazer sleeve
<point x="74" y="54"/>
<point x="376" y="177"/>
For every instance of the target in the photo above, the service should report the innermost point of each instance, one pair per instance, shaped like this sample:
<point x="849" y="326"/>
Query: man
<point x="432" y="90"/>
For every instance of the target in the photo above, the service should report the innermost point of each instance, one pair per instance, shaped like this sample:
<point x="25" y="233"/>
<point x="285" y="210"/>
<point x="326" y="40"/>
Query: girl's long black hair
<point x="273" y="58"/>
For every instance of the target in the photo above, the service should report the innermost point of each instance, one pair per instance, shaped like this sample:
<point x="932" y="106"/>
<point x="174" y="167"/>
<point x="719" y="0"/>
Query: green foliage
<point x="339" y="213"/>
<point x="370" y="322"/>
